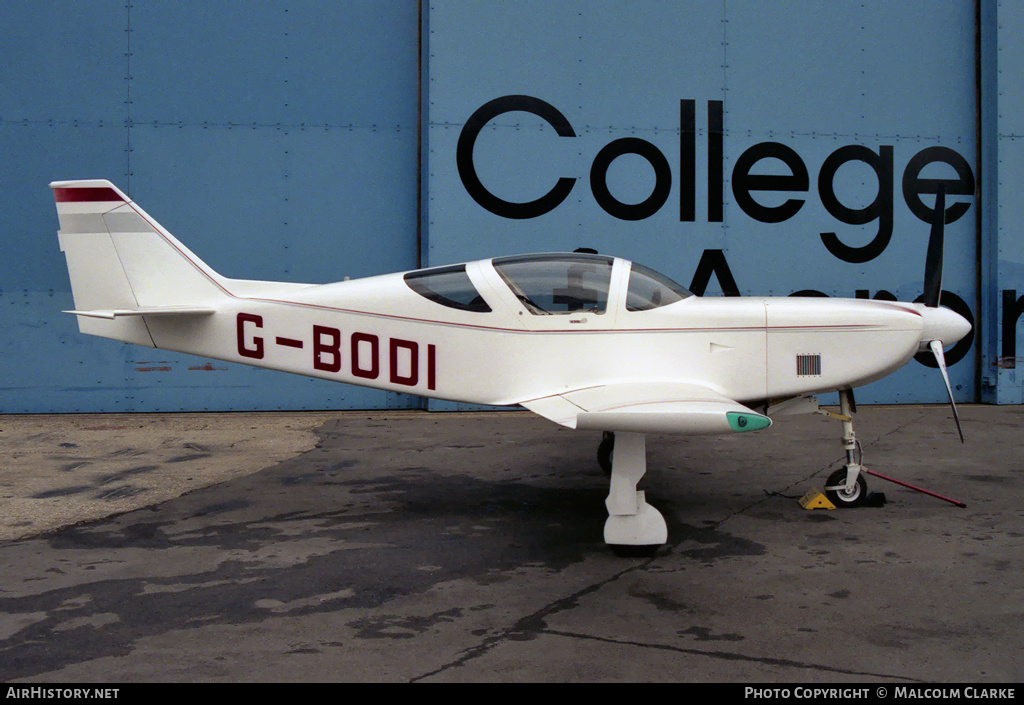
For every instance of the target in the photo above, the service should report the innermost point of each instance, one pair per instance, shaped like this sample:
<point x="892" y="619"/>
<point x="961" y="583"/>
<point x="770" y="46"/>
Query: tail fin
<point x="124" y="265"/>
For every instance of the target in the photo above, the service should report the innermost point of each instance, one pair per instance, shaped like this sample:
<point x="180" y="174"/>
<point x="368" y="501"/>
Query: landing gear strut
<point x="633" y="526"/>
<point x="846" y="487"/>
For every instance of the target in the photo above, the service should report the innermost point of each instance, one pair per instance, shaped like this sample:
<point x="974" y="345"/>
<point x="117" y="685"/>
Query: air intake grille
<point x="808" y="365"/>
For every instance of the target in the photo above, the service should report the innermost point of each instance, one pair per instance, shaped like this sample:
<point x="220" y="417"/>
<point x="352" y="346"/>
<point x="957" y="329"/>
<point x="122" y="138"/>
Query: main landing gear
<point x="633" y="527"/>
<point x="846" y="487"/>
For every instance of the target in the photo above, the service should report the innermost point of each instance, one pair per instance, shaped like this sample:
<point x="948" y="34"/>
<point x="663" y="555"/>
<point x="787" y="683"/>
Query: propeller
<point x="933" y="259"/>
<point x="933" y="293"/>
<point x="936" y="348"/>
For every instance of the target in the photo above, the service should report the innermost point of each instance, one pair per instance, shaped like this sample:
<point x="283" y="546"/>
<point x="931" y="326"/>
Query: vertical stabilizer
<point x="121" y="260"/>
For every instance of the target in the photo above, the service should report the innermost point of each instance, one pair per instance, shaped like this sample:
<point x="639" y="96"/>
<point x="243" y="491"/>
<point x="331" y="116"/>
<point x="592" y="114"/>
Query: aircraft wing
<point x="648" y="407"/>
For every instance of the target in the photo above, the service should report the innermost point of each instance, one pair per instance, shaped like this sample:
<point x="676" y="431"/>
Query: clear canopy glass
<point x="558" y="283"/>
<point x="449" y="286"/>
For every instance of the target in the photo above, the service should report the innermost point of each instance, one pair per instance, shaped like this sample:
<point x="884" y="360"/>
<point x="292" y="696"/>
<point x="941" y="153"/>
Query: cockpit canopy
<point x="568" y="283"/>
<point x="548" y="284"/>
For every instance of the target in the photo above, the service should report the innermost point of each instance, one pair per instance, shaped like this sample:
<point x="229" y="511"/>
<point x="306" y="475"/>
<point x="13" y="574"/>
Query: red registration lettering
<point x="365" y="351"/>
<point x="326" y="349"/>
<point x="366" y="356"/>
<point x="413" y="358"/>
<point x="431" y="367"/>
<point x="245" y="349"/>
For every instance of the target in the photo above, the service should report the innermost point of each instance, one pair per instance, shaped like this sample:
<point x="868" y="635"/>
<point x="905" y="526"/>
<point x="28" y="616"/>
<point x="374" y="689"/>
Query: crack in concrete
<point x="533" y="625"/>
<point x="525" y="625"/>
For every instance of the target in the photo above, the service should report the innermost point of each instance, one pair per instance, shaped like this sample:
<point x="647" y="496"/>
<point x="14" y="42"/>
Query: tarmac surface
<point x="295" y="547"/>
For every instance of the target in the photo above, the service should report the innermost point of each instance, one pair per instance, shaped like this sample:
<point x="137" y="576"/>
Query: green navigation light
<point x="740" y="421"/>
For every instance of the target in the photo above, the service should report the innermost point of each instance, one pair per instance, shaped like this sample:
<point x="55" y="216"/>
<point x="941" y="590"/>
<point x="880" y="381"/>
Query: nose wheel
<point x="843" y="495"/>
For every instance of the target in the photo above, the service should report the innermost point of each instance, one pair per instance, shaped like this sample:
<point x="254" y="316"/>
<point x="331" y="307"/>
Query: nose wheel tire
<point x="843" y="497"/>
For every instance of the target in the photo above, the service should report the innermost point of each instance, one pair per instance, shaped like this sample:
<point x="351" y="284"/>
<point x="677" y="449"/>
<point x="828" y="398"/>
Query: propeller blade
<point x="933" y="260"/>
<point x="940" y="358"/>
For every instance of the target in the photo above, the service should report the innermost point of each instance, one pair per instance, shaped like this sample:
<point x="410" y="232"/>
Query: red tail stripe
<point x="84" y="194"/>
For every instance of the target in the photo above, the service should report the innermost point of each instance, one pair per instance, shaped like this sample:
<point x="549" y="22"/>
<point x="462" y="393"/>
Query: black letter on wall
<point x="467" y="171"/>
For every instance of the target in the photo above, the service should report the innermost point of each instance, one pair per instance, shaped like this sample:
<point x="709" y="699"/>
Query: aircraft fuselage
<point x="377" y="332"/>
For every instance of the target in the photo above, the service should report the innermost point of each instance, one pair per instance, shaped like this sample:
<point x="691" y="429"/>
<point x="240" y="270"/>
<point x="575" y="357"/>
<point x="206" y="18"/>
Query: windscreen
<point x="649" y="289"/>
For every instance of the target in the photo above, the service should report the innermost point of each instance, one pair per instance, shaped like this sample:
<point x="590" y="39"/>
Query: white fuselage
<point x="378" y="332"/>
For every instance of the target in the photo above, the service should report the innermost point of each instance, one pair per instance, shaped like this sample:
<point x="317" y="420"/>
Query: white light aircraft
<point x="585" y="340"/>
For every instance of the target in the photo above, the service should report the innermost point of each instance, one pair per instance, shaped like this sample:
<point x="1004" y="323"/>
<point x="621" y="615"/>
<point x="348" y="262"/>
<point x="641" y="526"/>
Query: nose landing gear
<point x="847" y="487"/>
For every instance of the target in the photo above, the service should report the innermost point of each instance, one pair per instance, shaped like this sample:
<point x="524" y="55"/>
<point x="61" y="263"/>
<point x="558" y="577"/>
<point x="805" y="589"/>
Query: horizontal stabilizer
<point x="111" y="314"/>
